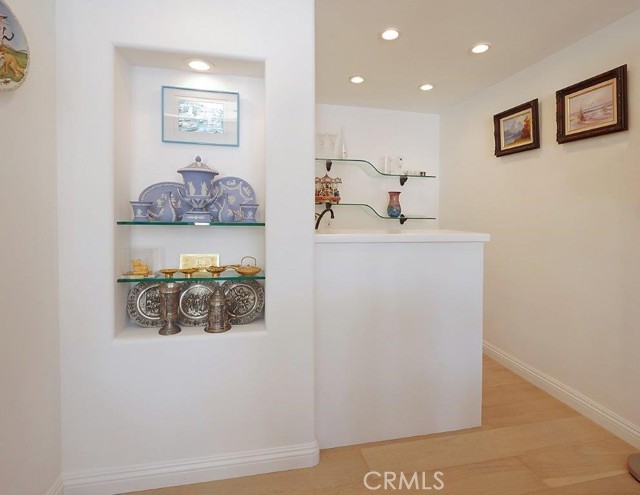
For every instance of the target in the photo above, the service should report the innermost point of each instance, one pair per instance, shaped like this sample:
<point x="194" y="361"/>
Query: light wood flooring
<point x="528" y="443"/>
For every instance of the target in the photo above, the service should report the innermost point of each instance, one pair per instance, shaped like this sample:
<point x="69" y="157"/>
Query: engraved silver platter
<point x="143" y="304"/>
<point x="194" y="303"/>
<point x="245" y="300"/>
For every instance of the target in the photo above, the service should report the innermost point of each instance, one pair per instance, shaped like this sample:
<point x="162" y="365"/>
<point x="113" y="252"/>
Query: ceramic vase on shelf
<point x="198" y="183"/>
<point x="249" y="212"/>
<point x="393" y="208"/>
<point x="140" y="210"/>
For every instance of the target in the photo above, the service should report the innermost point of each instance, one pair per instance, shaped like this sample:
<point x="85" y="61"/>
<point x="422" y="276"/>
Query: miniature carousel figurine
<point x="327" y="189"/>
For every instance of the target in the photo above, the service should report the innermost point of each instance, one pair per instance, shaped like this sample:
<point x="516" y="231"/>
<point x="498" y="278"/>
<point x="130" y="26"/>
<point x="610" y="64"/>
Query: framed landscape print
<point x="197" y="116"/>
<point x="517" y="129"/>
<point x="593" y="107"/>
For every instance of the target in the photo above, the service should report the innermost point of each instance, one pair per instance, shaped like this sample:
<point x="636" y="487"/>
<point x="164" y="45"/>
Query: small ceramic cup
<point x="140" y="210"/>
<point x="249" y="212"/>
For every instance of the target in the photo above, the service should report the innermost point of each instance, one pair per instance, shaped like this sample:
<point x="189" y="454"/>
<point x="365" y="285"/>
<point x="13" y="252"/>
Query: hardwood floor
<point x="528" y="443"/>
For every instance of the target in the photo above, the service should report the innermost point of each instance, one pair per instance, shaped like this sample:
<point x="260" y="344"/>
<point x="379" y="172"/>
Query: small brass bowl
<point x="215" y="271"/>
<point x="168" y="272"/>
<point x="188" y="272"/>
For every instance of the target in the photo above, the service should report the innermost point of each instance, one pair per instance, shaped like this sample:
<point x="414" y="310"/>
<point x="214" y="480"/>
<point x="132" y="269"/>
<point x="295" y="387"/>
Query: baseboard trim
<point x="596" y="412"/>
<point x="186" y="471"/>
<point x="56" y="488"/>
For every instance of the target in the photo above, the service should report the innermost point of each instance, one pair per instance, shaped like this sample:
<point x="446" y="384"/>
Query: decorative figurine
<point x="139" y="268"/>
<point x="327" y="190"/>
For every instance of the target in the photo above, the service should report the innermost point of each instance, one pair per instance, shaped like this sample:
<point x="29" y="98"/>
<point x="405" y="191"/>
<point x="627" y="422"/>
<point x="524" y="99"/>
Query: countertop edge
<point x="400" y="237"/>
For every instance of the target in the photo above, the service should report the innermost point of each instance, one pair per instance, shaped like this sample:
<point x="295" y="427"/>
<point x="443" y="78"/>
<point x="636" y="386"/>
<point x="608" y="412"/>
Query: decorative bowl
<point x="216" y="270"/>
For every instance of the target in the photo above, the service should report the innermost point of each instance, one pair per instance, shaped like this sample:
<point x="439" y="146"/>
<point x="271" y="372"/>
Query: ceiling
<point x="434" y="44"/>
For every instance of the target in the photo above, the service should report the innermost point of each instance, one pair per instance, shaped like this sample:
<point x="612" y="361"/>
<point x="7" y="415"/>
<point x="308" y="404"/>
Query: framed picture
<point x="517" y="129"/>
<point x="199" y="261"/>
<point x="593" y="107"/>
<point x="195" y="116"/>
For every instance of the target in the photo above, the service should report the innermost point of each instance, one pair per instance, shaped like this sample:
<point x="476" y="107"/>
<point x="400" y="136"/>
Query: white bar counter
<point x="398" y="334"/>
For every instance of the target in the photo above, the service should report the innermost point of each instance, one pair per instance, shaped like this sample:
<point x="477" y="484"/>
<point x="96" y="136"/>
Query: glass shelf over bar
<point x="210" y="224"/>
<point x="370" y="167"/>
<point x="401" y="218"/>
<point x="195" y="278"/>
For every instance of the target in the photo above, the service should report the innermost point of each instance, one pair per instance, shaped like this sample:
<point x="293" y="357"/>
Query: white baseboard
<point x="56" y="488"/>
<point x="186" y="471"/>
<point x="599" y="414"/>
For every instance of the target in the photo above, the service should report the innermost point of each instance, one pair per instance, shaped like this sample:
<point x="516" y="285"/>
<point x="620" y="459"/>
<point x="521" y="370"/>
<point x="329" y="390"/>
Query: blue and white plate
<point x="158" y="194"/>
<point x="236" y="190"/>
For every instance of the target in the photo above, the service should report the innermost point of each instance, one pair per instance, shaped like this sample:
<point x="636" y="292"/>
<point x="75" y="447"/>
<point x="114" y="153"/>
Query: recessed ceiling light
<point x="426" y="87"/>
<point x="199" y="65"/>
<point x="480" y="48"/>
<point x="390" y="34"/>
<point x="356" y="79"/>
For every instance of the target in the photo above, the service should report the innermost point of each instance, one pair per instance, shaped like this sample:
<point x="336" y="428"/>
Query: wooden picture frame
<point x="593" y="107"/>
<point x="517" y="129"/>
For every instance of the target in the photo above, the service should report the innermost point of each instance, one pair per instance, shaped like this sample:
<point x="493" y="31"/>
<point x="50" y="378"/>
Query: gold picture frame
<point x="199" y="261"/>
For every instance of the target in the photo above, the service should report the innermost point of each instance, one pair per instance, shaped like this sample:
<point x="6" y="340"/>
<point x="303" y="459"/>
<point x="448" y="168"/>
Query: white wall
<point x="562" y="270"/>
<point x="155" y="411"/>
<point x="29" y="354"/>
<point x="372" y="134"/>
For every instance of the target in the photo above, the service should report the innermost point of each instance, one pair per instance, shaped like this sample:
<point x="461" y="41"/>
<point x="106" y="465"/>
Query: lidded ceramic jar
<point x="198" y="184"/>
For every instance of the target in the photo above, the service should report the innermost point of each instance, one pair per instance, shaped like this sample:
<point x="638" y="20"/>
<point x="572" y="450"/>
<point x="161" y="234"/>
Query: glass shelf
<point x="370" y="166"/>
<point x="211" y="224"/>
<point x="402" y="218"/>
<point x="232" y="275"/>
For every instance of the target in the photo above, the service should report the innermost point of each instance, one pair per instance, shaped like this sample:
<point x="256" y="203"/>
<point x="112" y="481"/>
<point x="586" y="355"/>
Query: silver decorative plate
<point x="245" y="300"/>
<point x="194" y="303"/>
<point x="143" y="304"/>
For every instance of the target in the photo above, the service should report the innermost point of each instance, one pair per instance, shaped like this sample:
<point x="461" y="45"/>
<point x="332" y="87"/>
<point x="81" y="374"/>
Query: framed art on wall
<point x="593" y="107"/>
<point x="517" y="129"/>
<point x="195" y="116"/>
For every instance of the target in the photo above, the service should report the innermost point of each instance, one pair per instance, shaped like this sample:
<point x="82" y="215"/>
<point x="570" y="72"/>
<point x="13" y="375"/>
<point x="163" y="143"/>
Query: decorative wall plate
<point x="194" y="303"/>
<point x="158" y="194"/>
<point x="143" y="304"/>
<point x="245" y="300"/>
<point x="235" y="190"/>
<point x="14" y="50"/>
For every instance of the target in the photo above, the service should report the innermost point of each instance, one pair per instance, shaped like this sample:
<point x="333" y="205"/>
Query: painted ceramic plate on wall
<point x="14" y="50"/>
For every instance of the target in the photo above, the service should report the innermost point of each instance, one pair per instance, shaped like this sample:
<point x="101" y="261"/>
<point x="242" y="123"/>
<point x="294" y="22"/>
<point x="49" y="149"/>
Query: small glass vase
<point x="393" y="208"/>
